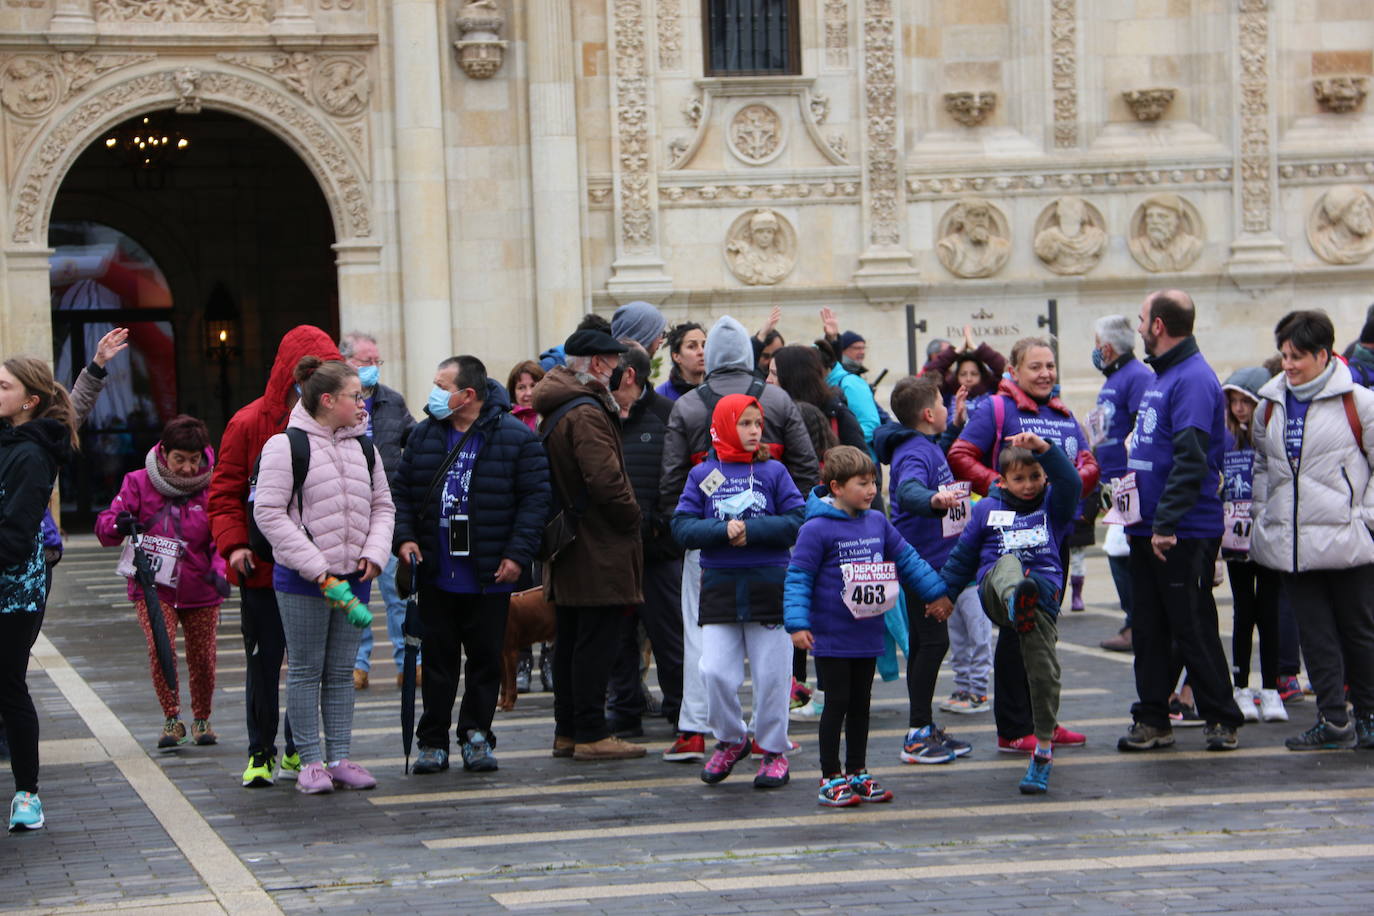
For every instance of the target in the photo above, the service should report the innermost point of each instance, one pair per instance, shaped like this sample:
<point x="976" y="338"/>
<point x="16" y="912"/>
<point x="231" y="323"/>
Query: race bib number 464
<point x="869" y="589"/>
<point x="956" y="518"/>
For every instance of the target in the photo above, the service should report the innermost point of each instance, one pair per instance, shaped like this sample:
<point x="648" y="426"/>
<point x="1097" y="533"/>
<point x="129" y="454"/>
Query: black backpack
<point x="300" y="466"/>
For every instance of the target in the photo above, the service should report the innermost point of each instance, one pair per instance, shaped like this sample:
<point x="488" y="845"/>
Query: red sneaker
<point x="686" y="749"/>
<point x="1065" y="738"/>
<point x="1024" y="745"/>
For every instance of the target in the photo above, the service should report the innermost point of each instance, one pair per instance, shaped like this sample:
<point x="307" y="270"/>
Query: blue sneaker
<point x="477" y="755"/>
<point x="431" y="760"/>
<point x="960" y="748"/>
<point x="1037" y="778"/>
<point x="924" y="745"/>
<point x="26" y="812"/>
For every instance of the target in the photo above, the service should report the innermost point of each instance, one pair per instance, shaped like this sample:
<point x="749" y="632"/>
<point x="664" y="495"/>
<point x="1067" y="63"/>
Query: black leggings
<point x="1255" y="593"/>
<point x="848" y="689"/>
<point x="18" y="632"/>
<point x="929" y="642"/>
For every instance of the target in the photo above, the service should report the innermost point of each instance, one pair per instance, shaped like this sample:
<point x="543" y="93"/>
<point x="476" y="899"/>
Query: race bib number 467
<point x="1125" y="502"/>
<point x="869" y="589"/>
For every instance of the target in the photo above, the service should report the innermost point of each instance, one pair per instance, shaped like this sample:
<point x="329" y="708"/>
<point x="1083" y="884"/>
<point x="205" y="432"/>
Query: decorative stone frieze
<point x="836" y="33"/>
<point x="249" y="11"/>
<point x="669" y="15"/>
<point x="1064" y="71"/>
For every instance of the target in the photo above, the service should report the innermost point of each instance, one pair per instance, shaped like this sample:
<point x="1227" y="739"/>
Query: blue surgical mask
<point x="1098" y="362"/>
<point x="438" y="403"/>
<point x="368" y="376"/>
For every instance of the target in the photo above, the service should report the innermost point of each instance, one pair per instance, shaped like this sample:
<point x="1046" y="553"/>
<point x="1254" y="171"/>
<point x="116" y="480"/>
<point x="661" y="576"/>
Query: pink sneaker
<point x="1024" y="745"/>
<point x="313" y="779"/>
<point x="773" y="772"/>
<point x="348" y="775"/>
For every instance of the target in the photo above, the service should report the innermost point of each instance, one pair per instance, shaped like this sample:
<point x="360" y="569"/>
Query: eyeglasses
<point x="358" y="398"/>
<point x="364" y="363"/>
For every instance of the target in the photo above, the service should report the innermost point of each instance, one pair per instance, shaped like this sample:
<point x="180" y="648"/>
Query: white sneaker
<point x="1271" y="706"/>
<point x="812" y="709"/>
<point x="1246" y="700"/>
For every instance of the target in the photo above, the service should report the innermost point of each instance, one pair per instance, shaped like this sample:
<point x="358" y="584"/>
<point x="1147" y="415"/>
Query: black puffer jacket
<point x="30" y="455"/>
<point x="508" y="500"/>
<point x="391" y="422"/>
<point x="641" y="437"/>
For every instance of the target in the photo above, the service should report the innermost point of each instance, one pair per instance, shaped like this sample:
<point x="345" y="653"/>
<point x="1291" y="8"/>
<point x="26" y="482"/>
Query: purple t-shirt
<point x="1293" y="428"/>
<point x="772" y="493"/>
<point x="1117" y="405"/>
<point x="1237" y="471"/>
<point x="367" y="405"/>
<point x="1048" y="424"/>
<point x="994" y="529"/>
<point x="921" y="460"/>
<point x="458" y="575"/>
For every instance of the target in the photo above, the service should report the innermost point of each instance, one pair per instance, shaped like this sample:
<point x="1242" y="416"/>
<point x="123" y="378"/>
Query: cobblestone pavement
<point x="1261" y="829"/>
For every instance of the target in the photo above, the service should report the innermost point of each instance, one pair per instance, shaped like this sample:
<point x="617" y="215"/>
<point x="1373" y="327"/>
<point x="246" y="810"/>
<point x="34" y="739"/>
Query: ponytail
<point x="317" y="377"/>
<point x="53" y="400"/>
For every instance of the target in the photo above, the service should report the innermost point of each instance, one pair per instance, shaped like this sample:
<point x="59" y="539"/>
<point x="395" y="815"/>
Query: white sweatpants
<point x="692" y="717"/>
<point x="970" y="643"/>
<point x="724" y="647"/>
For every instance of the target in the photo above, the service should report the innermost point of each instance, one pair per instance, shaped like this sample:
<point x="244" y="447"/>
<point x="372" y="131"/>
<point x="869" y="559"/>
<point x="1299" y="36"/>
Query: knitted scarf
<point x="167" y="483"/>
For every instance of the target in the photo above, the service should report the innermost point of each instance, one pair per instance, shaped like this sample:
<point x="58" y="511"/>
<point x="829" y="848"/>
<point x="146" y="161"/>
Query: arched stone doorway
<point x="234" y="227"/>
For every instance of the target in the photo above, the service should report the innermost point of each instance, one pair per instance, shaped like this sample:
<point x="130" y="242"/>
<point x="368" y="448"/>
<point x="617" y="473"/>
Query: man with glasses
<point x="388" y="423"/>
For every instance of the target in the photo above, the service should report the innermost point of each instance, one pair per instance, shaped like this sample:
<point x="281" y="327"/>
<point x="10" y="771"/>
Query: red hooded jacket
<point x="244" y="437"/>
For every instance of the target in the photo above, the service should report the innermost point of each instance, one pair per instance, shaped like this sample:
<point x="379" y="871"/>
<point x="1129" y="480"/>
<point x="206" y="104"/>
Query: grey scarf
<point x="1310" y="389"/>
<point x="170" y="485"/>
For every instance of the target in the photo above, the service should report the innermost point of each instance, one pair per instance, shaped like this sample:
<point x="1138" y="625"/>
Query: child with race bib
<point x="847" y="570"/>
<point x="742" y="511"/>
<point x="1011" y="547"/>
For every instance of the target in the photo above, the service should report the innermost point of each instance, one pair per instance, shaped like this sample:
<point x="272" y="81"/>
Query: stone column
<point x="418" y="44"/>
<point x="555" y="185"/>
<point x="27" y="316"/>
<point x="72" y="25"/>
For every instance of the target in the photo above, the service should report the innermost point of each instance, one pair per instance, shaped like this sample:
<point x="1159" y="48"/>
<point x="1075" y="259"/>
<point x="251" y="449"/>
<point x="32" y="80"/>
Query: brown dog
<point x="530" y="620"/>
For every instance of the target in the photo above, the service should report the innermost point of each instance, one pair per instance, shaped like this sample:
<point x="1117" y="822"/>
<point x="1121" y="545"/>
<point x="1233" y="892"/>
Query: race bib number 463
<point x="869" y="589"/>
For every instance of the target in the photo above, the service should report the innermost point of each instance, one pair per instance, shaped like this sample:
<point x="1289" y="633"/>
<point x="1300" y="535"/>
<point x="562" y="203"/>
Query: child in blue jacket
<point x="846" y="572"/>
<point x="742" y="511"/>
<point x="1011" y="547"/>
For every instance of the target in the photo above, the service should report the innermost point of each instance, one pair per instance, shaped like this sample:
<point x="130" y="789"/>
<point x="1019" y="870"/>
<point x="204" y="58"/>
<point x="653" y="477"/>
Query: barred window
<point x="751" y="37"/>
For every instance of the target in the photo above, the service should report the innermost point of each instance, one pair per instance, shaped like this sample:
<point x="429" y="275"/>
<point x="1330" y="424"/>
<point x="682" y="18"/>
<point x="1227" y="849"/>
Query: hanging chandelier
<point x="146" y="143"/>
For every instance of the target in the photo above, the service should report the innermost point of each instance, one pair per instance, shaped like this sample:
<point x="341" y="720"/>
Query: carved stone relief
<point x="1340" y="227"/>
<point x="756" y="134"/>
<point x="970" y="108"/>
<point x="1070" y="236"/>
<point x="254" y="11"/>
<point x="630" y="94"/>
<point x="882" y="177"/>
<point x="819" y="106"/>
<point x="836" y="33"/>
<point x="974" y="239"/>
<point x="1148" y="104"/>
<point x="1064" y="71"/>
<point x="761" y="247"/>
<point x="1255" y="166"/>
<point x="840" y="144"/>
<point x="692" y="108"/>
<point x="31" y="88"/>
<point x="292" y="69"/>
<point x="670" y="34"/>
<point x="1166" y="234"/>
<point x="341" y="86"/>
<point x="83" y="69"/>
<point x="479" y="45"/>
<point x="188" y="92"/>
<point x="1340" y="94"/>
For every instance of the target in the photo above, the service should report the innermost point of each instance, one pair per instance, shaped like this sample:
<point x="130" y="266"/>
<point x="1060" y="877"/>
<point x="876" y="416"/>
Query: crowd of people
<point x="733" y="513"/>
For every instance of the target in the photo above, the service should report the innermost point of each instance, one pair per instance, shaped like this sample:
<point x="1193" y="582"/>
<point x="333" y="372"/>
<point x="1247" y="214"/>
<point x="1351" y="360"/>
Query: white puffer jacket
<point x="1332" y="499"/>
<point x="349" y="516"/>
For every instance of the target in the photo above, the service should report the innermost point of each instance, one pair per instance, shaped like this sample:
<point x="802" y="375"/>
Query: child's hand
<point x="1029" y="441"/>
<point x="735" y="531"/>
<point x="944" y="500"/>
<point x="940" y="609"/>
<point x="961" y="406"/>
<point x="802" y="640"/>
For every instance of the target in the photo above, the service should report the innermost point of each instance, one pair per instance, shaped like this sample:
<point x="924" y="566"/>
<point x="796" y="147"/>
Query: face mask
<point x="738" y="504"/>
<point x="368" y="376"/>
<point x="438" y="403"/>
<point x="1098" y="362"/>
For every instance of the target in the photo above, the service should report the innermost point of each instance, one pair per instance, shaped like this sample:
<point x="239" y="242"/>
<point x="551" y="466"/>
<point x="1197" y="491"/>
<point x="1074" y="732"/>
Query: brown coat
<point x="604" y="566"/>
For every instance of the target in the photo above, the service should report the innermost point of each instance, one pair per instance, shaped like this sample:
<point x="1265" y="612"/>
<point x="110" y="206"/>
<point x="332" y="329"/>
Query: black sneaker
<point x="1324" y="737"/>
<point x="1142" y="737"/>
<point x="1220" y="737"/>
<point x="1181" y="716"/>
<point x="1364" y="731"/>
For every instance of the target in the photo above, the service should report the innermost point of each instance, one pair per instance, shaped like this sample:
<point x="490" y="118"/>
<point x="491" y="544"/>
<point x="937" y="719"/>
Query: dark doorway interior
<point x="208" y="257"/>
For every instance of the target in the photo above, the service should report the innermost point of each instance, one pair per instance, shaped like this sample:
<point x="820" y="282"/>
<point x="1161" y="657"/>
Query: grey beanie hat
<point x="639" y="321"/>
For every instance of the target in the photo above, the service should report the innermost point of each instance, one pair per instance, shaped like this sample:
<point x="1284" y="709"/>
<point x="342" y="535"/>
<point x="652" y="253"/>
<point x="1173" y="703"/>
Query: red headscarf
<point x="725" y="427"/>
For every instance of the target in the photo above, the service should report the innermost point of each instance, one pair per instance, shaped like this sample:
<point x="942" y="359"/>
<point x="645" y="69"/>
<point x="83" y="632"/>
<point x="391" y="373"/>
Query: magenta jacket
<point x="186" y="519"/>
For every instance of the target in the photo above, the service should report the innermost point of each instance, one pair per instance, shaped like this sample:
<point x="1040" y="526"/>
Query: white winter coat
<point x="1333" y="496"/>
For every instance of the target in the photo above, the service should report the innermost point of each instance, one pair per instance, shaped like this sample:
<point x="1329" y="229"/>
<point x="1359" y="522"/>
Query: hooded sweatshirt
<point x="1238" y="462"/>
<point x="919" y="469"/>
<point x="244" y="437"/>
<point x="30" y="456"/>
<point x="814" y="593"/>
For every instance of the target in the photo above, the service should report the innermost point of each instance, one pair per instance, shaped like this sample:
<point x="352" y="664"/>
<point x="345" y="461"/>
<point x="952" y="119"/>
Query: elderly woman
<point x="1313" y="506"/>
<point x="1025" y="404"/>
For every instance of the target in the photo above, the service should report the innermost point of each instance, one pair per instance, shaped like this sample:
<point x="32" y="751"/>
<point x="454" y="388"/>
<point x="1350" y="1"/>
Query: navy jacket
<point x="508" y="499"/>
<point x="641" y="436"/>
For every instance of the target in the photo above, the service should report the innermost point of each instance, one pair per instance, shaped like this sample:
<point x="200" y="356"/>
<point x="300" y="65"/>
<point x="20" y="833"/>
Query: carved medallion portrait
<point x="1340" y="227"/>
<point x="761" y="247"/>
<point x="974" y="239"/>
<point x="1070" y="236"/>
<point x="1166" y="234"/>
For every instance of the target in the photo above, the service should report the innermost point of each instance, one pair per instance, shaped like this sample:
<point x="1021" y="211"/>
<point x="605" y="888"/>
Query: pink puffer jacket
<point x="349" y="517"/>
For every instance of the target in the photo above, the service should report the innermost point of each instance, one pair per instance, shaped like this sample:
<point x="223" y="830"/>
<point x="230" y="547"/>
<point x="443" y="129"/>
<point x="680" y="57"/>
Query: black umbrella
<point x="143" y="572"/>
<point x="412" y="631"/>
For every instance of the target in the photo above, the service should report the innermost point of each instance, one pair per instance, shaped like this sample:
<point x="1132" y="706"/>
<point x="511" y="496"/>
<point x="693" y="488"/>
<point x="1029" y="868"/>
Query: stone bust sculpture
<point x="760" y="248"/>
<point x="1340" y="228"/>
<point x="1071" y="237"/>
<point x="973" y="239"/>
<point x="1163" y="236"/>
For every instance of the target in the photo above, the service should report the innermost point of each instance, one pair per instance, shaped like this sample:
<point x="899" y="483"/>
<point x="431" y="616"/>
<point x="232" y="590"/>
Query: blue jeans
<point x="395" y="622"/>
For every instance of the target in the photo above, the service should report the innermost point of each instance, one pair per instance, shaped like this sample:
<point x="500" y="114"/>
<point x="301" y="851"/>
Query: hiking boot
<point x="173" y="733"/>
<point x="1142" y="737"/>
<point x="563" y="747"/>
<point x="290" y="766"/>
<point x="867" y="789"/>
<point x="773" y="772"/>
<point x="1024" y="745"/>
<point x="723" y="760"/>
<point x="477" y="754"/>
<point x="26" y="812"/>
<point x="348" y="775"/>
<point x="1024" y="600"/>
<point x="359" y="679"/>
<point x="1290" y="689"/>
<point x="1037" y="778"/>
<point x="261" y="771"/>
<point x="1324" y="737"/>
<point x="1220" y="737"/>
<point x="799" y="696"/>
<point x="959" y="748"/>
<point x="608" y="748"/>
<point x="924" y="745"/>
<point x="523" y="668"/>
<point x="1247" y="701"/>
<point x="314" y="779"/>
<point x="1364" y="731"/>
<point x="202" y="733"/>
<point x="1063" y="737"/>
<point x="431" y="760"/>
<point x="1271" y="707"/>
<point x="1121" y="642"/>
<point x="686" y="748"/>
<point x="836" y="792"/>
